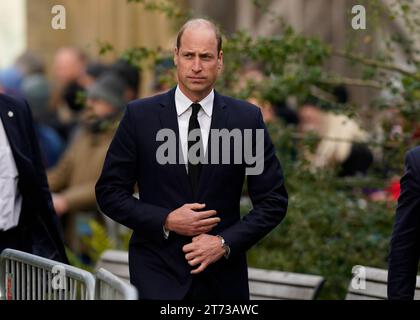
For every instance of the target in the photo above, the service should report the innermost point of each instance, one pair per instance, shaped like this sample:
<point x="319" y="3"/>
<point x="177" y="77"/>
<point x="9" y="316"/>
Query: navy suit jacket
<point x="158" y="267"/>
<point x="405" y="242"/>
<point x="38" y="221"/>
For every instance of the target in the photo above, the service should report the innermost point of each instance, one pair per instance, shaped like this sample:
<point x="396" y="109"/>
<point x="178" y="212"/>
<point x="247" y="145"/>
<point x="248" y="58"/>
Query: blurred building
<point x="26" y="24"/>
<point x="88" y="22"/>
<point x="329" y="20"/>
<point x="12" y="30"/>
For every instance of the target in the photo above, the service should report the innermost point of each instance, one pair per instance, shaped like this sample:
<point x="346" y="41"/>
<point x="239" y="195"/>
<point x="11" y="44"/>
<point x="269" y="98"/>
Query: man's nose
<point x="196" y="65"/>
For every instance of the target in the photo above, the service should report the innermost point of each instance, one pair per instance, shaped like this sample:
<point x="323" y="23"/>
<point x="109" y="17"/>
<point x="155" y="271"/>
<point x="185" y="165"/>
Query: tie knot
<point x="195" y="109"/>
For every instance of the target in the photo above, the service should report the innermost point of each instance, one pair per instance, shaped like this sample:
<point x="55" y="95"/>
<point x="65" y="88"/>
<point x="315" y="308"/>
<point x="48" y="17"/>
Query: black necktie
<point x="194" y="169"/>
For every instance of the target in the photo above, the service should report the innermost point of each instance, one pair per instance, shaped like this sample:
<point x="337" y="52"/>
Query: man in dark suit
<point x="405" y="243"/>
<point x="189" y="241"/>
<point x="27" y="218"/>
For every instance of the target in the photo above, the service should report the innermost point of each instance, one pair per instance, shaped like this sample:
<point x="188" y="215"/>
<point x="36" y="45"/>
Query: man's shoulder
<point x="13" y="103"/>
<point x="240" y="106"/>
<point x="413" y="155"/>
<point x="148" y="103"/>
<point x="412" y="161"/>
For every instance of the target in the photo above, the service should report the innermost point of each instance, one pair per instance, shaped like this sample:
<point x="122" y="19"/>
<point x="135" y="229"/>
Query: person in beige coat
<point x="72" y="180"/>
<point x="342" y="141"/>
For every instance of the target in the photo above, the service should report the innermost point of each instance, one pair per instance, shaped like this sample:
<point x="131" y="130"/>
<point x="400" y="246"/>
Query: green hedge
<point x="330" y="225"/>
<point x="327" y="233"/>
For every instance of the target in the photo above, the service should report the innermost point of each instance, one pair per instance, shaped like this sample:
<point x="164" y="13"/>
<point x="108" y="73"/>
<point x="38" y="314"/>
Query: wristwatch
<point x="225" y="247"/>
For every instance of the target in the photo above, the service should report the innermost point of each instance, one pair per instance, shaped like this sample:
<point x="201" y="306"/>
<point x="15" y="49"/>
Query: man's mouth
<point x="197" y="78"/>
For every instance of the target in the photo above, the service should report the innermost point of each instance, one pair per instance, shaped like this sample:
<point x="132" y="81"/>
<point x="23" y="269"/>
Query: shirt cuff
<point x="165" y="233"/>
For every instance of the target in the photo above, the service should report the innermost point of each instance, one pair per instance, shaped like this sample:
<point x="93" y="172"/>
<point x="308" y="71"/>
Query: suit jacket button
<point x="10" y="114"/>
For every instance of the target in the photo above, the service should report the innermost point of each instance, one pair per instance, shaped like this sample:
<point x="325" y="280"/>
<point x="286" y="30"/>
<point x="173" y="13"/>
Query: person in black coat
<point x="405" y="242"/>
<point x="189" y="241"/>
<point x="27" y="218"/>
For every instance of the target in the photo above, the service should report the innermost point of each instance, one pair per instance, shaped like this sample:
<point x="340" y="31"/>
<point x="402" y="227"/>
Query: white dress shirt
<point x="184" y="110"/>
<point x="10" y="197"/>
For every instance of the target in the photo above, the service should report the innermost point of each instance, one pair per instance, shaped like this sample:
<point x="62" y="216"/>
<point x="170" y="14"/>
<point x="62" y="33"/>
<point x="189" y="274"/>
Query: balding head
<point x="69" y="65"/>
<point x="197" y="24"/>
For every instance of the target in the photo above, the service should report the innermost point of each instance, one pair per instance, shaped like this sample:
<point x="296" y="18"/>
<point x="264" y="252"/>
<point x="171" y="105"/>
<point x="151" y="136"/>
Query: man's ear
<point x="220" y="59"/>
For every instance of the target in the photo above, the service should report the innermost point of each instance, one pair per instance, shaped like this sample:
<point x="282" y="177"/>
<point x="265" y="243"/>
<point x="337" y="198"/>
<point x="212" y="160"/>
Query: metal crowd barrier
<point x="110" y="287"/>
<point x="24" y="276"/>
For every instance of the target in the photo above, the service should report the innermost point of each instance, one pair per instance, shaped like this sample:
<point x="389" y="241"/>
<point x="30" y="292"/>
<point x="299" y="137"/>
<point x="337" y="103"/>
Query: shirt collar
<point x="182" y="102"/>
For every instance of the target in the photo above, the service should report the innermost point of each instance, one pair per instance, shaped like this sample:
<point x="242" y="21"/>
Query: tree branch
<point x="374" y="63"/>
<point x="353" y="82"/>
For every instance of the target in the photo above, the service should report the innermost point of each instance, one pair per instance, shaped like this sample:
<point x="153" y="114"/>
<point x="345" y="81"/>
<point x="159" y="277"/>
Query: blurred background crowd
<point x="76" y="113"/>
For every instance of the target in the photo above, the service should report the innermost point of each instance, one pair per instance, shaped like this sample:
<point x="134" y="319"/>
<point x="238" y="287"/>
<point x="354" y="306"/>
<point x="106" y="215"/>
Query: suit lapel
<point x="169" y="120"/>
<point x="8" y="116"/>
<point x="218" y="121"/>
